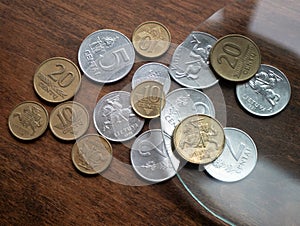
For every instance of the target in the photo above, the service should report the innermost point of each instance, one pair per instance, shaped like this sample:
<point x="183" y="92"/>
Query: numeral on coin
<point x="231" y="52"/>
<point x="63" y="79"/>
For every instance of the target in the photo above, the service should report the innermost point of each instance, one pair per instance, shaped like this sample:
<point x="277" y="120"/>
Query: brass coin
<point x="199" y="139"/>
<point x="235" y="57"/>
<point x="151" y="39"/>
<point x="147" y="99"/>
<point x="28" y="120"/>
<point x="69" y="120"/>
<point x="91" y="154"/>
<point x="57" y="79"/>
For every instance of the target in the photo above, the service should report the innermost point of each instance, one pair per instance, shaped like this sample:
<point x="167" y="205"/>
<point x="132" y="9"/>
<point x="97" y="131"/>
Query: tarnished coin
<point x="151" y="39"/>
<point x="266" y="94"/>
<point x="235" y="57"/>
<point x="106" y="56"/>
<point x="199" y="139"/>
<point x="28" y="120"/>
<point x="190" y="62"/>
<point x="149" y="157"/>
<point x="114" y="118"/>
<point x="57" y="79"/>
<point x="238" y="158"/>
<point x="152" y="72"/>
<point x="69" y="120"/>
<point x="147" y="99"/>
<point x="92" y="154"/>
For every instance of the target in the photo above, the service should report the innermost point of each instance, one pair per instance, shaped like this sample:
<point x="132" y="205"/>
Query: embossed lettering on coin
<point x="92" y="154"/>
<point x="69" y="120"/>
<point x="57" y="79"/>
<point x="199" y="139"/>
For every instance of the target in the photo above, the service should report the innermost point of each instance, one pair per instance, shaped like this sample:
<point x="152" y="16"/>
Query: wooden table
<point x="38" y="183"/>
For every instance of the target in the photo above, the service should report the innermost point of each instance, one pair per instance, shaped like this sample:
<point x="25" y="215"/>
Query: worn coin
<point x="238" y="158"/>
<point x="267" y="93"/>
<point x="106" y="56"/>
<point x="235" y="57"/>
<point x="69" y="120"/>
<point x="199" y="139"/>
<point x="114" y="118"/>
<point x="57" y="79"/>
<point x="152" y="72"/>
<point x="190" y="62"/>
<point x="28" y="120"/>
<point x="151" y="39"/>
<point x="147" y="99"/>
<point x="149" y="157"/>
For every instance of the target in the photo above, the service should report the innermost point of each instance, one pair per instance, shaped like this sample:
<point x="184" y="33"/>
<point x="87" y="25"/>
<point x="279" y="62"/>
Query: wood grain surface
<point x="38" y="183"/>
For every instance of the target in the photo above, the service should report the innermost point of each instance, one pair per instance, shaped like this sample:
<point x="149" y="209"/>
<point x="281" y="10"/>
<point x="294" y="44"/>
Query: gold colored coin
<point x="199" y="139"/>
<point x="147" y="99"/>
<point x="57" y="79"/>
<point x="28" y="120"/>
<point x="151" y="39"/>
<point x="235" y="57"/>
<point x="91" y="154"/>
<point x="69" y="120"/>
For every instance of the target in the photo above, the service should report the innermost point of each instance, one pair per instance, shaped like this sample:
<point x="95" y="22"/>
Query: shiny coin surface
<point x="199" y="139"/>
<point x="266" y="94"/>
<point x="151" y="39"/>
<point x="69" y="120"/>
<point x="57" y="79"/>
<point x="28" y="120"/>
<point x="238" y="158"/>
<point x="152" y="72"/>
<point x="92" y="154"/>
<point x="106" y="56"/>
<point x="235" y="57"/>
<point x="190" y="62"/>
<point x="114" y="119"/>
<point x="181" y="103"/>
<point x="147" y="99"/>
<point x="149" y="157"/>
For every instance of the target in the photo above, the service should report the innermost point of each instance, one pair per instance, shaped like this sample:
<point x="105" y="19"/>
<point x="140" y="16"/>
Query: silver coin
<point x="190" y="62"/>
<point x="114" y="118"/>
<point x="265" y="94"/>
<point x="238" y="158"/>
<point x="181" y="103"/>
<point x="152" y="71"/>
<point x="106" y="56"/>
<point x="149" y="157"/>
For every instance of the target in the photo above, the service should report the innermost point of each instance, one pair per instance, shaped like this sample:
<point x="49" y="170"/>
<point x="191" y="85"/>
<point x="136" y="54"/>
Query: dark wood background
<point x="38" y="183"/>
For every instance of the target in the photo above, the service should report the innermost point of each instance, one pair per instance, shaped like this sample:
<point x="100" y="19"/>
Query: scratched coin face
<point x="106" y="56"/>
<point x="199" y="139"/>
<point x="69" y="120"/>
<point x="28" y="120"/>
<point x="92" y="154"/>
<point x="235" y="57"/>
<point x="238" y="158"/>
<point x="57" y="79"/>
<point x="151" y="39"/>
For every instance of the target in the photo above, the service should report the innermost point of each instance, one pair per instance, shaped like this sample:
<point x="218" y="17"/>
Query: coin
<point x="151" y="39"/>
<point x="235" y="57"/>
<point x="147" y="99"/>
<point x="114" y="118"/>
<point x="190" y="62"/>
<point x="106" y="56"/>
<point x="266" y="94"/>
<point x="57" y="79"/>
<point x="91" y="154"/>
<point x="28" y="120"/>
<point x="149" y="157"/>
<point x="238" y="158"/>
<point x="152" y="71"/>
<point x="69" y="120"/>
<point x="199" y="139"/>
